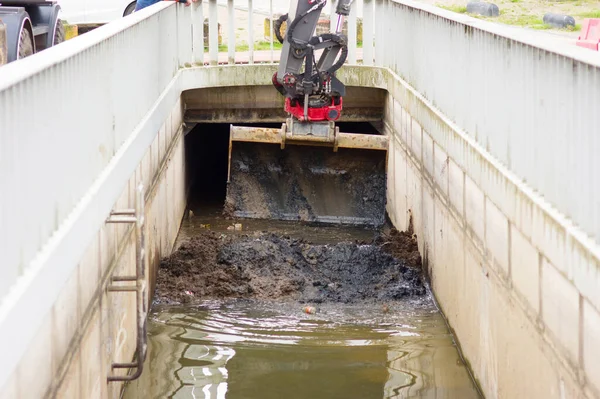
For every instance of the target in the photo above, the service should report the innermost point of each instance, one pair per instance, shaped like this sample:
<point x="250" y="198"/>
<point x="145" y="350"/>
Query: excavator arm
<point x="291" y="173"/>
<point x="310" y="87"/>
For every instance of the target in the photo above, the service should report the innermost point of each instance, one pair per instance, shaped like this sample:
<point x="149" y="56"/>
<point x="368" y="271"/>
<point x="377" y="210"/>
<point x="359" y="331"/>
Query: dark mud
<point x="319" y="185"/>
<point x="269" y="266"/>
<point x="401" y="245"/>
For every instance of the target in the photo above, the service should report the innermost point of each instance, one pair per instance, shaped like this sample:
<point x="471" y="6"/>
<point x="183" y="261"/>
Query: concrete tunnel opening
<point x="206" y="152"/>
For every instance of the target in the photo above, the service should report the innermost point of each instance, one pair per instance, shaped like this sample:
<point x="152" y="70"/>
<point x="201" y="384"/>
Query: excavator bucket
<point x="307" y="172"/>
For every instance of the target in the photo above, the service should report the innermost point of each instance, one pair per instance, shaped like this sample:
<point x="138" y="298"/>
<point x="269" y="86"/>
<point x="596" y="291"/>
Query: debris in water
<point x="309" y="309"/>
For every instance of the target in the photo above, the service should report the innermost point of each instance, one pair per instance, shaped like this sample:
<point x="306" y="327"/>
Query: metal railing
<point x="529" y="98"/>
<point x="76" y="119"/>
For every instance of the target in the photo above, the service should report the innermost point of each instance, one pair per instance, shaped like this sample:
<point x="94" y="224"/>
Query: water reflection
<point x="249" y="349"/>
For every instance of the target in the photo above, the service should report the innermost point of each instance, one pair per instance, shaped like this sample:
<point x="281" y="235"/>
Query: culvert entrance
<point x="296" y="183"/>
<point x="206" y="149"/>
<point x="263" y="308"/>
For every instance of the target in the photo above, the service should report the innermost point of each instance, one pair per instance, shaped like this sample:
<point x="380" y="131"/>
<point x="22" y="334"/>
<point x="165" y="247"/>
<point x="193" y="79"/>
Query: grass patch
<point x="521" y="20"/>
<point x="454" y="8"/>
<point x="258" y="46"/>
<point x="590" y="14"/>
<point x="529" y="21"/>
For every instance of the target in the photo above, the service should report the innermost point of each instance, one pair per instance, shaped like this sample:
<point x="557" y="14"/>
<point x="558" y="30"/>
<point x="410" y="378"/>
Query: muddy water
<point x="211" y="218"/>
<point x="251" y="349"/>
<point x="265" y="349"/>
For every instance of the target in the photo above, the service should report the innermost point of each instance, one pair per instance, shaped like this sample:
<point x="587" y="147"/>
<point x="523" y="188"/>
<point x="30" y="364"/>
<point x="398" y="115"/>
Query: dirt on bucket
<point x="267" y="266"/>
<point x="347" y="186"/>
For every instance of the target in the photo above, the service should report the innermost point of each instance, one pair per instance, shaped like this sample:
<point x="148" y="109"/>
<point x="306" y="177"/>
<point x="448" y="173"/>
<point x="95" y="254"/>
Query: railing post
<point x="197" y="33"/>
<point x="332" y="15"/>
<point x="368" y="32"/>
<point x="388" y="33"/>
<point x="230" y="32"/>
<point x="185" y="41"/>
<point x="271" y="34"/>
<point x="250" y="33"/>
<point x="352" y="34"/>
<point x="379" y="29"/>
<point x="213" y="32"/>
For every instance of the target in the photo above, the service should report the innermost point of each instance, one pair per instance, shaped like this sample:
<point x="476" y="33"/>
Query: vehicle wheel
<point x="25" y="44"/>
<point x="59" y="33"/>
<point x="130" y="9"/>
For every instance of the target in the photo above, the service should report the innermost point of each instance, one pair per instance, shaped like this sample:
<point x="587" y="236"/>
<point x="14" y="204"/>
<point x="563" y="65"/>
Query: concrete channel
<point x="363" y="341"/>
<point x="515" y="279"/>
<point x="426" y="192"/>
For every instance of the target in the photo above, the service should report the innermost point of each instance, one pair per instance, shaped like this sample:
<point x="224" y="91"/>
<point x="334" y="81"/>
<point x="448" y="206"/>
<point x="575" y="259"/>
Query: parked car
<point x="94" y="12"/>
<point x="28" y="27"/>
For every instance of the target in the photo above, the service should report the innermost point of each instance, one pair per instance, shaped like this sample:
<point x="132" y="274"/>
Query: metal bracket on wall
<point x="134" y="216"/>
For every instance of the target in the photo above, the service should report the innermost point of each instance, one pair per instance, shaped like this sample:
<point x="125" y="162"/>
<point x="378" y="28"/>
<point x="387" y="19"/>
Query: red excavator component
<point x="590" y="34"/>
<point x="328" y="113"/>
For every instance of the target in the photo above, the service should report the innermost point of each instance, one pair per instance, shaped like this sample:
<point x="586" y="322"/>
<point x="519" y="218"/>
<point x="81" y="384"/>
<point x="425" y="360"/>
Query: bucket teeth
<point x="269" y="178"/>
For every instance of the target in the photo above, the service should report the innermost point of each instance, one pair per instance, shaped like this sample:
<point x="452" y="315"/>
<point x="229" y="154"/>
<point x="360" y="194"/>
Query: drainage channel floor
<point x="364" y="326"/>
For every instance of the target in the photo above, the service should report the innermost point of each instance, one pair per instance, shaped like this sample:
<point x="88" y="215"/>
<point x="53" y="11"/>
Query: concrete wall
<point x="519" y="284"/>
<point x="263" y="104"/>
<point x="88" y="327"/>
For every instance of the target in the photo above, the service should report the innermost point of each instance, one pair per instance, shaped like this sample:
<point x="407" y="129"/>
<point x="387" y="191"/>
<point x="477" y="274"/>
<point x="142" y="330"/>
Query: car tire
<point x="130" y="9"/>
<point x="25" y="44"/>
<point x="59" y="33"/>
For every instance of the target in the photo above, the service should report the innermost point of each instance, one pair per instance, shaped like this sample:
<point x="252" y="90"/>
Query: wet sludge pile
<point x="271" y="266"/>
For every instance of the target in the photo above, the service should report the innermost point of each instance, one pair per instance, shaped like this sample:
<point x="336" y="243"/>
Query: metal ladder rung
<point x="134" y="216"/>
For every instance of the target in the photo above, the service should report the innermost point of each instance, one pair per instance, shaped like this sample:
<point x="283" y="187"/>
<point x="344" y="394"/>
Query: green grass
<point x="529" y="21"/>
<point x="590" y="14"/>
<point x="517" y="16"/>
<point x="258" y="46"/>
<point x="454" y="8"/>
<point x="532" y="21"/>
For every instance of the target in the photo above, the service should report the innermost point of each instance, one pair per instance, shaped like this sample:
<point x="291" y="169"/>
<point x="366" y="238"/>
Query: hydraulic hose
<point x="290" y="31"/>
<point x="337" y="39"/>
<point x="277" y="27"/>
